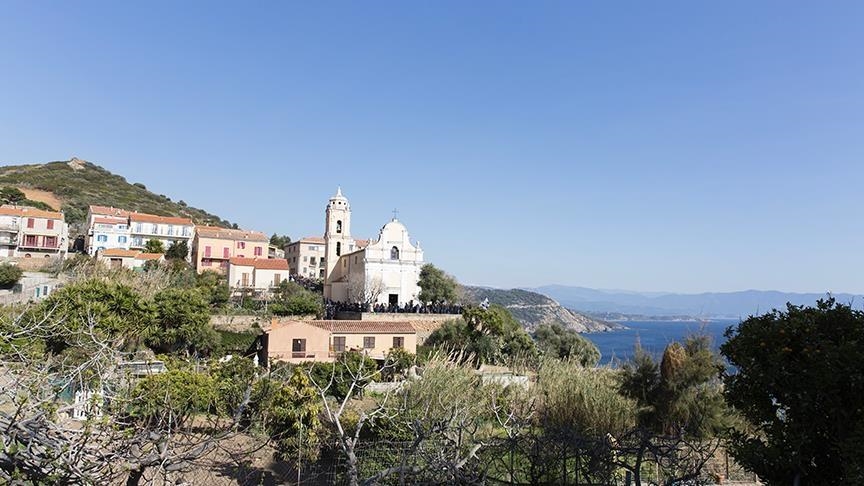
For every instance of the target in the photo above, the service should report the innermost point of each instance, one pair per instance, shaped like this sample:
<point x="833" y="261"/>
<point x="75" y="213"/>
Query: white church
<point x="385" y="271"/>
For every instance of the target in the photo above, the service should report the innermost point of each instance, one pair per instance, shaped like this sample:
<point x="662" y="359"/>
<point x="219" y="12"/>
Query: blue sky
<point x="678" y="146"/>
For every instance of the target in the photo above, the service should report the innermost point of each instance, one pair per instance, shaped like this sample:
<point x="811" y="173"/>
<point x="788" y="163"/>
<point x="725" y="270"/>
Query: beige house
<point x="213" y="247"/>
<point x="258" y="274"/>
<point x="298" y="341"/>
<point x="306" y="257"/>
<point x="27" y="232"/>
<point x="131" y="259"/>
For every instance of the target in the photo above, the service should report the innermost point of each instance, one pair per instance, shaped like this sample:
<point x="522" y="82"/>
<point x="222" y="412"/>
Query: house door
<point x="393" y="299"/>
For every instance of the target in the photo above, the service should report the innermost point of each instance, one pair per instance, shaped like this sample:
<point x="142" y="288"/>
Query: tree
<point x="293" y="300"/>
<point x="154" y="246"/>
<point x="182" y="323"/>
<point x="9" y="275"/>
<point x="363" y="289"/>
<point x="491" y="335"/>
<point x="280" y="241"/>
<point x="214" y="287"/>
<point x="556" y="341"/>
<point x="11" y="195"/>
<point x="681" y="412"/>
<point x="435" y="285"/>
<point x="178" y="250"/>
<point x="798" y="378"/>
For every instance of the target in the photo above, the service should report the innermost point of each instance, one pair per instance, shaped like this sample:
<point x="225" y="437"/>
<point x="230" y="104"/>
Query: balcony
<point x="9" y="228"/>
<point x="38" y="246"/>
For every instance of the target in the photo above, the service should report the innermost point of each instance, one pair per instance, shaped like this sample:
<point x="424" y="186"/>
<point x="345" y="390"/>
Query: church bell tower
<point x="337" y="234"/>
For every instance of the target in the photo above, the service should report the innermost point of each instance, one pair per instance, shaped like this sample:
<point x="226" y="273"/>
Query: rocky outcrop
<point x="533" y="309"/>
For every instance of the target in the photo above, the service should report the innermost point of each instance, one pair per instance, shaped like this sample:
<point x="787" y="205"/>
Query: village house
<point x="213" y="248"/>
<point x="306" y="257"/>
<point x="113" y="228"/>
<point x="167" y="229"/>
<point x="131" y="259"/>
<point x="298" y="341"/>
<point x="27" y="232"/>
<point x="256" y="274"/>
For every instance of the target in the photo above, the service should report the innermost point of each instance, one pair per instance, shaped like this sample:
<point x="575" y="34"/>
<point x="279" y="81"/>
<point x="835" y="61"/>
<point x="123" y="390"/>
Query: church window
<point x="338" y="248"/>
<point x="394" y="253"/>
<point x="339" y="226"/>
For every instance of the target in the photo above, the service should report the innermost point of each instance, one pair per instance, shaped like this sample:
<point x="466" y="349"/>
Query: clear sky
<point x="677" y="146"/>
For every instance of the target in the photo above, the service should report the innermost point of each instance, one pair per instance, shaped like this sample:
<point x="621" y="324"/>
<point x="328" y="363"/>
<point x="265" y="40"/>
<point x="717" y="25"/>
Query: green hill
<point x="533" y="309"/>
<point x="76" y="184"/>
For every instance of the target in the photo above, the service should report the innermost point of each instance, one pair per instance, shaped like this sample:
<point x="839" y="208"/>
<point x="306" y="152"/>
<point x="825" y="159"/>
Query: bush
<point x="9" y="275"/>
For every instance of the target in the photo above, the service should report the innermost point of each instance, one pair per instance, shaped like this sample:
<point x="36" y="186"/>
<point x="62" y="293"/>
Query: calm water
<point x="654" y="336"/>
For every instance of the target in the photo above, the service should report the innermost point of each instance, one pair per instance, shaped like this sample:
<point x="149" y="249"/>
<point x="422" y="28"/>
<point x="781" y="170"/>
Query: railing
<point x="39" y="247"/>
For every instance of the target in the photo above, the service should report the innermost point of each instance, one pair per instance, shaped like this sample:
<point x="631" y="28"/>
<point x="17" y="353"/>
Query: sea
<point x="617" y="347"/>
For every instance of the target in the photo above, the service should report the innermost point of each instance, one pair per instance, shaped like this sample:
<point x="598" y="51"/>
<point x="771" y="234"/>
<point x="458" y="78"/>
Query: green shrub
<point x="9" y="275"/>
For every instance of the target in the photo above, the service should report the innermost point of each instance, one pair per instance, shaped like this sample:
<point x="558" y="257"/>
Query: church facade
<point x="384" y="271"/>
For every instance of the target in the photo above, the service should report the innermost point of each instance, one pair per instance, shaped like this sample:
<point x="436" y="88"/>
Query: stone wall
<point x="243" y="323"/>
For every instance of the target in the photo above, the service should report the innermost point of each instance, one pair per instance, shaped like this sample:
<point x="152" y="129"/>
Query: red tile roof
<point x="361" y="327"/>
<point x="230" y="234"/>
<point x="261" y="263"/>
<point x="312" y="239"/>
<point x="98" y="220"/>
<point x="109" y="211"/>
<point x="120" y="252"/>
<point x="28" y="211"/>
<point x="148" y="256"/>
<point x="152" y="218"/>
<point x="362" y="243"/>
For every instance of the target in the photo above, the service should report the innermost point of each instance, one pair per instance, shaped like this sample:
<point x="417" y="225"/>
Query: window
<point x="121" y="226"/>
<point x="338" y="248"/>
<point x="298" y="348"/>
<point x="241" y="244"/>
<point x="155" y="229"/>
<point x="368" y="342"/>
<point x="244" y="279"/>
<point x="206" y="263"/>
<point x="304" y="258"/>
<point x="225" y="253"/>
<point x="49" y="241"/>
<point x="207" y="250"/>
<point x="338" y="344"/>
<point x="121" y="239"/>
<point x="50" y="224"/>
<point x="398" y="342"/>
<point x="394" y="253"/>
<point x="259" y="250"/>
<point x="30" y="240"/>
<point x="30" y="222"/>
<point x="277" y="279"/>
<point x="102" y="238"/>
<point x="338" y="226"/>
<point x="311" y="260"/>
<point x="138" y="227"/>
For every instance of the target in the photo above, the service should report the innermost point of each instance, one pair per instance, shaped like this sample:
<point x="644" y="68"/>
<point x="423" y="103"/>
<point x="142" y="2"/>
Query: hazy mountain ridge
<point x="76" y="184"/>
<point x="704" y="305"/>
<point x="533" y="309"/>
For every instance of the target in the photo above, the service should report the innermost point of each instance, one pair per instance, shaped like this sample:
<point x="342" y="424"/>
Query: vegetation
<point x="799" y="380"/>
<point x="436" y="286"/>
<point x="154" y="246"/>
<point x="294" y="300"/>
<point x="12" y="195"/>
<point x="84" y="184"/>
<point x="279" y="241"/>
<point x="9" y="275"/>
<point x="178" y="250"/>
<point x="489" y="335"/>
<point x="556" y="341"/>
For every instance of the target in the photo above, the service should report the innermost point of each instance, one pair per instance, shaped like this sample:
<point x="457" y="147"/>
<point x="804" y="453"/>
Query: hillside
<point x="76" y="184"/>
<point x="533" y="309"/>
<point x="707" y="305"/>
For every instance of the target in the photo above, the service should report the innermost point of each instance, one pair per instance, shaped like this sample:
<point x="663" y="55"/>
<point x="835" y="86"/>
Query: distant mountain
<point x="706" y="305"/>
<point x="532" y="309"/>
<point x="75" y="184"/>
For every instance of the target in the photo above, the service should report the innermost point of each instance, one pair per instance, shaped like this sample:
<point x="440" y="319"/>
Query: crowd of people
<point x="332" y="308"/>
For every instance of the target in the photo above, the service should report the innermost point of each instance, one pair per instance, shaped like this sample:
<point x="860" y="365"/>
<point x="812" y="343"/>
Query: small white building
<point x="131" y="259"/>
<point x="256" y="274"/>
<point x="107" y="228"/>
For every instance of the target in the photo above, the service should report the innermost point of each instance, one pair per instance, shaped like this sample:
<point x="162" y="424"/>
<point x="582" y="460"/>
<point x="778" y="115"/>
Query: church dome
<point x="338" y="200"/>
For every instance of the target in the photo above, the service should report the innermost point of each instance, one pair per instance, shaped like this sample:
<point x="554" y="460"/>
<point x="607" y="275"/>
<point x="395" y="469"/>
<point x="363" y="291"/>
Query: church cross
<point x="395" y="212"/>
